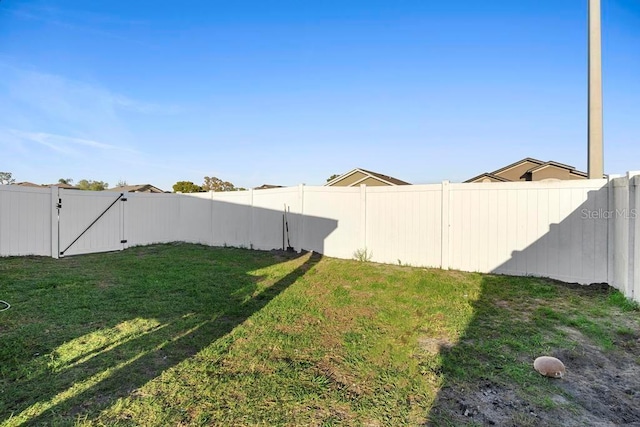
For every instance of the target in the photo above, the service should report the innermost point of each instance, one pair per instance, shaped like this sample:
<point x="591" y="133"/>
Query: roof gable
<point x="141" y="188"/>
<point x="488" y="175"/>
<point x="555" y="165"/>
<point x="527" y="168"/>
<point x="361" y="175"/>
<point x="27" y="184"/>
<point x="516" y="164"/>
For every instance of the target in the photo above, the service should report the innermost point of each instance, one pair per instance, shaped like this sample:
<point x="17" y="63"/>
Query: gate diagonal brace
<point x="120" y="197"/>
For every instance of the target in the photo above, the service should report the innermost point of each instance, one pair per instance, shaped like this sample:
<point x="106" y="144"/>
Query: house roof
<point x="267" y="186"/>
<point x="539" y="166"/>
<point x="571" y="169"/>
<point x="57" y="184"/>
<point x="384" y="178"/>
<point x="63" y="185"/>
<point x="488" y="175"/>
<point x="388" y="178"/>
<point x="27" y="184"/>
<point x="518" y="163"/>
<point x="141" y="188"/>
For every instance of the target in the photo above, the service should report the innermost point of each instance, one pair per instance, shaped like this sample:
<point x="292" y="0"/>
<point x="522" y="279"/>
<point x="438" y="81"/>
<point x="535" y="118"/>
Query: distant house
<point x="359" y="176"/>
<point x="27" y="184"/>
<point x="59" y="185"/>
<point x="267" y="187"/>
<point x="63" y="185"/>
<point x="142" y="188"/>
<point x="530" y="169"/>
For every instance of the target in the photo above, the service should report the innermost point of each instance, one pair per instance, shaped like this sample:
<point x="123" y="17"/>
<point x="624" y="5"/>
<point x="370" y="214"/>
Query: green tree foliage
<point x="216" y="184"/>
<point x="186" y="187"/>
<point x="85" y="184"/>
<point x="67" y="181"/>
<point x="332" y="177"/>
<point x="6" y="178"/>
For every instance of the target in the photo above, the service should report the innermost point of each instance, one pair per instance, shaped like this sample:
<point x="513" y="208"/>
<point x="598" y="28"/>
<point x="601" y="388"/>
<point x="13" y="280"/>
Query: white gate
<point x="90" y="221"/>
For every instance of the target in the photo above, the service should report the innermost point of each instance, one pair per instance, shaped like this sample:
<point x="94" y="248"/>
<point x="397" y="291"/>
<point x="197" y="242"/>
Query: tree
<point x="84" y="184"/>
<point x="6" y="179"/>
<point x="216" y="184"/>
<point x="332" y="177"/>
<point x="67" y="181"/>
<point x="122" y="183"/>
<point x="186" y="187"/>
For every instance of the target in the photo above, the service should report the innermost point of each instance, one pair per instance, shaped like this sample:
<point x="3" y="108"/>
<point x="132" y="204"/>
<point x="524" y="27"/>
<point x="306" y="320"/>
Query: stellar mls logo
<point x="609" y="214"/>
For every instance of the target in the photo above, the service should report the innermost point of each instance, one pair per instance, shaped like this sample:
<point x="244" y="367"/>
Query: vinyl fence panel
<point x="231" y="218"/>
<point x="333" y="221"/>
<point x="25" y="220"/>
<point x="532" y="228"/>
<point x="152" y="218"/>
<point x="267" y="218"/>
<point x="404" y="224"/>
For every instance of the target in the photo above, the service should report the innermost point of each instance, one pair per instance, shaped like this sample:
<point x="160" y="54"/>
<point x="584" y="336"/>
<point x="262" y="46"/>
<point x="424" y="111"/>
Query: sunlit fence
<point x="584" y="231"/>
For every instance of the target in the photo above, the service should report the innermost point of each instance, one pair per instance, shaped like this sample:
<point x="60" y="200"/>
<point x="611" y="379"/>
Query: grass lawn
<point x="185" y="334"/>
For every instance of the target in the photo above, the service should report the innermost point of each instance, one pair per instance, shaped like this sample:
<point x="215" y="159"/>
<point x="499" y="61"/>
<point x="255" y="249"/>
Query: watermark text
<point x="609" y="214"/>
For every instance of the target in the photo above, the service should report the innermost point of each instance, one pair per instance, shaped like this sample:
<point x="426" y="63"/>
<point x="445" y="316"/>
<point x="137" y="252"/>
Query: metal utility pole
<point x="595" y="157"/>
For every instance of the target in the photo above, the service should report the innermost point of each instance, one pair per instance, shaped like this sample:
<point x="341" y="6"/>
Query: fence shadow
<point x="582" y="234"/>
<point x="205" y="295"/>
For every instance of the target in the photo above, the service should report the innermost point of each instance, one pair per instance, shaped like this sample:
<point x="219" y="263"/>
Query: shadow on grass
<point x="488" y="374"/>
<point x="492" y="362"/>
<point x="480" y="369"/>
<point x="146" y="324"/>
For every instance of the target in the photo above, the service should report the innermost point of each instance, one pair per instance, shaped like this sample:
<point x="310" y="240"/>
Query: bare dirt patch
<point x="434" y="345"/>
<point x="605" y="386"/>
<point x="601" y="388"/>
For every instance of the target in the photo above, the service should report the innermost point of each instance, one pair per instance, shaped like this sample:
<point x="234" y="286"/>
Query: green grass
<point x="191" y="335"/>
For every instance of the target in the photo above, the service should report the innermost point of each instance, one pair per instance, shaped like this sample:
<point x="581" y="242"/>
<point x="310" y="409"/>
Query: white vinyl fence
<point x="584" y="231"/>
<point x="26" y="220"/>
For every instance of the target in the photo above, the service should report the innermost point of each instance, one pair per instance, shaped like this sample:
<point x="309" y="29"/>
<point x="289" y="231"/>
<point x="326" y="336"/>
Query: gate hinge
<point x="123" y="241"/>
<point x="59" y="204"/>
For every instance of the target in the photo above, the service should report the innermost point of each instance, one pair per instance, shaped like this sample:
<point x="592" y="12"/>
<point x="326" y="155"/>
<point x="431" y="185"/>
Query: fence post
<point x="444" y="226"/>
<point x="123" y="234"/>
<point x="250" y="245"/>
<point x="212" y="218"/>
<point x="611" y="240"/>
<point x="55" y="231"/>
<point x="363" y="216"/>
<point x="634" y="236"/>
<point x="300" y="221"/>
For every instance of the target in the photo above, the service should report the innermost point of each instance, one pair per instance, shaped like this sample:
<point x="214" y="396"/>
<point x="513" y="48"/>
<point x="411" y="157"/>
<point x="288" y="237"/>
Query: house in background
<point x="359" y="176"/>
<point x="142" y="188"/>
<point x="267" y="187"/>
<point x="57" y="184"/>
<point x="63" y="185"/>
<point x="530" y="169"/>
<point x="27" y="184"/>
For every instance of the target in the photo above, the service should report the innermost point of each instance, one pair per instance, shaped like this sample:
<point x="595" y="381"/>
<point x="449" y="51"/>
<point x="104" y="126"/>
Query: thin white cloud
<point x="65" y="144"/>
<point x="83" y="113"/>
<point x="145" y="107"/>
<point x="52" y="126"/>
<point x="61" y="94"/>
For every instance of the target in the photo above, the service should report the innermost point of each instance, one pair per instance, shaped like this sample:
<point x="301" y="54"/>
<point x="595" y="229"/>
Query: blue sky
<point x="290" y="92"/>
